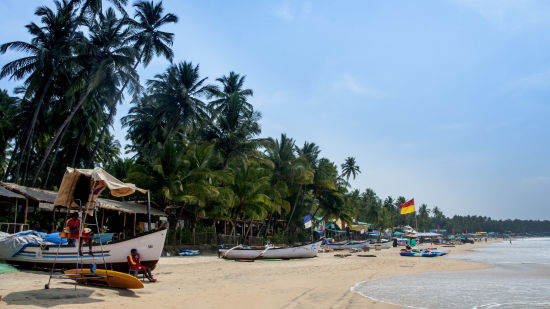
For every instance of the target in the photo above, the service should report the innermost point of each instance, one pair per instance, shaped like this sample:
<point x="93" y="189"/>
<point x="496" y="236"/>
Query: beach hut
<point x="9" y="200"/>
<point x="125" y="217"/>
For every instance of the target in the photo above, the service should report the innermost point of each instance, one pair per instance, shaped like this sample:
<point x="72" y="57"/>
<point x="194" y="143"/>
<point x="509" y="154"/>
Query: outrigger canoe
<point x="349" y="245"/>
<point x="269" y="252"/>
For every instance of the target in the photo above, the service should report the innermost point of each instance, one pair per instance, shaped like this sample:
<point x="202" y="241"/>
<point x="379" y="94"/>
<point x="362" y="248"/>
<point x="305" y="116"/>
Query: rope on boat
<point x="226" y="252"/>
<point x="267" y="247"/>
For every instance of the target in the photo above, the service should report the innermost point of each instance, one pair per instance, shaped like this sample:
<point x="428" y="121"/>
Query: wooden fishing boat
<point x="148" y="244"/>
<point x="349" y="245"/>
<point x="297" y="252"/>
<point x="383" y="245"/>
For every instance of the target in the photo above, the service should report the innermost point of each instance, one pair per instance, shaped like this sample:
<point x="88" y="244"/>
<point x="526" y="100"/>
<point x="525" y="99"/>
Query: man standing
<point x="73" y="227"/>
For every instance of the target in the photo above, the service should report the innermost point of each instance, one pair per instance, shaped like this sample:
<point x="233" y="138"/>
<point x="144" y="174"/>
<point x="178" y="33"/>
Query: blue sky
<point x="443" y="101"/>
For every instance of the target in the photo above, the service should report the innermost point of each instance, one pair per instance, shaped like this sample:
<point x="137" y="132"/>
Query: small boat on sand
<point x="422" y="253"/>
<point x="270" y="252"/>
<point x="349" y="245"/>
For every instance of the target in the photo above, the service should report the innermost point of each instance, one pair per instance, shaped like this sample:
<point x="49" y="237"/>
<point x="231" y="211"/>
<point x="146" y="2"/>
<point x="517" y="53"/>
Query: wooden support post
<point x="102" y="217"/>
<point x="124" y="228"/>
<point x="26" y="211"/>
<point x="53" y="221"/>
<point x="135" y="219"/>
<point x="16" y="209"/>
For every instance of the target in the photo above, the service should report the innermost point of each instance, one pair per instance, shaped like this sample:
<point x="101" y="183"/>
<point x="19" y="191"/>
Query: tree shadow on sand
<point x="61" y="296"/>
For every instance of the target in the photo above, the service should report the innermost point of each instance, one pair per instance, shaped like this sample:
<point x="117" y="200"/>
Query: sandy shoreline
<point x="209" y="282"/>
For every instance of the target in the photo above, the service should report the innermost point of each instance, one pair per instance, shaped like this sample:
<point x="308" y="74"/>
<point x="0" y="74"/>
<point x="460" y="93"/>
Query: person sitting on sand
<point x="134" y="260"/>
<point x="73" y="227"/>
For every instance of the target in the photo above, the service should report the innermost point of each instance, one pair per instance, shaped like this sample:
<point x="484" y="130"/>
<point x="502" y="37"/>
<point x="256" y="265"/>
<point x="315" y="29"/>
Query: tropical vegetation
<point x="194" y="141"/>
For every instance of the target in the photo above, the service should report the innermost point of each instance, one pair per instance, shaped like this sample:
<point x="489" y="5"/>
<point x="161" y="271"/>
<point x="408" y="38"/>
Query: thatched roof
<point x="40" y="195"/>
<point x="46" y="199"/>
<point x="127" y="207"/>
<point x="7" y="193"/>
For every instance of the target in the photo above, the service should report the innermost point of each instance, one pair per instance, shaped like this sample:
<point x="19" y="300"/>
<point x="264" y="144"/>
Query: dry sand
<point x="209" y="282"/>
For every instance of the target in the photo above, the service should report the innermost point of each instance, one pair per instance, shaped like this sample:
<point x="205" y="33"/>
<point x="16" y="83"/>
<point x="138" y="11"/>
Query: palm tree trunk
<point x="112" y="112"/>
<point x="27" y="163"/>
<point x="10" y="162"/>
<point x="30" y="131"/>
<point x="73" y="161"/>
<point x="294" y="207"/>
<point x="58" y="133"/>
<point x="56" y="151"/>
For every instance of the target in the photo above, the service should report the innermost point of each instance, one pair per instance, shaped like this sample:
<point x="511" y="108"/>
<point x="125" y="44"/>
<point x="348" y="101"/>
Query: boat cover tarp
<point x="12" y="244"/>
<point x="100" y="180"/>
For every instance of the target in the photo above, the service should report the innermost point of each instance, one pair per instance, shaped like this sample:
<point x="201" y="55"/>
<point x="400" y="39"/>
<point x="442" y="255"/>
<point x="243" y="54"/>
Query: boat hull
<point x="298" y="252"/>
<point x="149" y="246"/>
<point x="383" y="245"/>
<point x="349" y="246"/>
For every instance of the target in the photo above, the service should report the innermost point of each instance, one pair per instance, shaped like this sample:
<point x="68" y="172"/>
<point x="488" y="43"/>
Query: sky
<point x="444" y="101"/>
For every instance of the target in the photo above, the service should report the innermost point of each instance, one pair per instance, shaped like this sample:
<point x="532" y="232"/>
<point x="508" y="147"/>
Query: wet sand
<point x="209" y="282"/>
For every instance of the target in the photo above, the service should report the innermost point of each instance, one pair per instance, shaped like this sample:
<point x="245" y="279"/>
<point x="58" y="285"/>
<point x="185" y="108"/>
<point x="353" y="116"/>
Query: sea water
<point x="520" y="279"/>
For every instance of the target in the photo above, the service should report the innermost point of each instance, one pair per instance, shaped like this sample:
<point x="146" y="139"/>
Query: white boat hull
<point x="149" y="246"/>
<point x="383" y="245"/>
<point x="298" y="252"/>
<point x="345" y="246"/>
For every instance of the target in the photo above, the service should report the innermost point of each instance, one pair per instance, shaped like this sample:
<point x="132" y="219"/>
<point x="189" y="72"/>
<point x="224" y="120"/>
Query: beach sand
<point x="209" y="282"/>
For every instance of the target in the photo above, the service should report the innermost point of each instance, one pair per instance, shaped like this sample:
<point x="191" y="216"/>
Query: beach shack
<point x="35" y="208"/>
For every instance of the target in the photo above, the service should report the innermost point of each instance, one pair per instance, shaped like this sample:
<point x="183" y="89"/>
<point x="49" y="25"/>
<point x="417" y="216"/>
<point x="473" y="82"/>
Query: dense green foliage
<point x="196" y="144"/>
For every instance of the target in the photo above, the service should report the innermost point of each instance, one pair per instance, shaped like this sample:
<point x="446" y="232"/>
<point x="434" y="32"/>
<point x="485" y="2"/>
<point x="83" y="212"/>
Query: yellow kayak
<point x="104" y="277"/>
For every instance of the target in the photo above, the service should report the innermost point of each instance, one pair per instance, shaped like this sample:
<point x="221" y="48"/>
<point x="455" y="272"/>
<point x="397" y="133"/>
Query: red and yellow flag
<point x="408" y="207"/>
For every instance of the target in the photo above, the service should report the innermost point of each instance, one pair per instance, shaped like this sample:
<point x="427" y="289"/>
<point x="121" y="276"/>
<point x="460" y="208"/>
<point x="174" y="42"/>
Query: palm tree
<point x="178" y="92"/>
<point x="233" y="130"/>
<point x="424" y="214"/>
<point x="49" y="48"/>
<point x="350" y="168"/>
<point x="290" y="173"/>
<point x="95" y="7"/>
<point x="310" y="152"/>
<point x="106" y="61"/>
<point x="149" y="40"/>
<point x="231" y="85"/>
<point x="390" y="207"/>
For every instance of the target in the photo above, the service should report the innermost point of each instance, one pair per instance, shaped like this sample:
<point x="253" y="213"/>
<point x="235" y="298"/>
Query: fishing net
<point x="5" y="268"/>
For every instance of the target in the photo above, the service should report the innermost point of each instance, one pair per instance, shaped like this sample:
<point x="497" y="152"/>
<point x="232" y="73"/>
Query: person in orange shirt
<point x="134" y="260"/>
<point x="73" y="227"/>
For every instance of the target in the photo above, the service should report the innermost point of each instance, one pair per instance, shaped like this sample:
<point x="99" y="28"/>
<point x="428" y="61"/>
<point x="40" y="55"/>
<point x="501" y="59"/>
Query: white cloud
<point x="510" y="15"/>
<point x="538" y="80"/>
<point x="353" y="85"/>
<point x="535" y="180"/>
<point x="290" y="10"/>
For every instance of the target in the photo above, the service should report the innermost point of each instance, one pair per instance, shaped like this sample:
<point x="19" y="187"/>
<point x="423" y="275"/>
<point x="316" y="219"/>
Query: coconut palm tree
<point x="232" y="85"/>
<point x="178" y="92"/>
<point x="106" y="61"/>
<point x="48" y="50"/>
<point x="350" y="168"/>
<point x="149" y="40"/>
<point x="233" y="129"/>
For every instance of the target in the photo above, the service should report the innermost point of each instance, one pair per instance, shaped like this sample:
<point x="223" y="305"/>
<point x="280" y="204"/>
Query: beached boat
<point x="418" y="253"/>
<point x="422" y="253"/>
<point x="296" y="252"/>
<point x="383" y="245"/>
<point x="349" y="245"/>
<point x="148" y="244"/>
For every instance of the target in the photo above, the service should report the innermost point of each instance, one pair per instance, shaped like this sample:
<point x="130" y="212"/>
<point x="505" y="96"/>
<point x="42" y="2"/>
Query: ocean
<point x="520" y="279"/>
